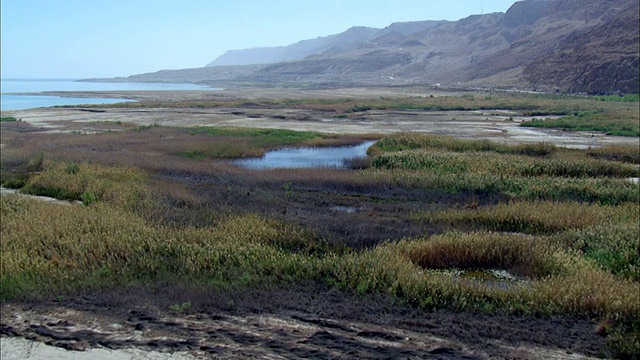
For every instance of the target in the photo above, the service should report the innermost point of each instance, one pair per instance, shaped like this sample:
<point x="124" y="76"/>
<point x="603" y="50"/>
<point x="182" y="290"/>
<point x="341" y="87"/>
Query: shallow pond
<point x="306" y="157"/>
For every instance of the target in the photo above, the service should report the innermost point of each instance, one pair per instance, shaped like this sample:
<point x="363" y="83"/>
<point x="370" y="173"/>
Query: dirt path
<point x="310" y="322"/>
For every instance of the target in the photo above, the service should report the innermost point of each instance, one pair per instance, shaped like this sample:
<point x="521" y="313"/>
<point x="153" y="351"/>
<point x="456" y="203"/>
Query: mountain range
<point x="551" y="45"/>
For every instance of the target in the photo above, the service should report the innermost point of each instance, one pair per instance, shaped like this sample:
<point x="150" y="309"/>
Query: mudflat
<point x="496" y="125"/>
<point x="297" y="322"/>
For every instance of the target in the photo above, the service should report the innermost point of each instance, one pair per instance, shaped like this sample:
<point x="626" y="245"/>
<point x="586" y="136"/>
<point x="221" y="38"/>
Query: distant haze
<point x="108" y="38"/>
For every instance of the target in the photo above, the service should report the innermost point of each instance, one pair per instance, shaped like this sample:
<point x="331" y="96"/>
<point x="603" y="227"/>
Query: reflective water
<point x="20" y="102"/>
<point x="493" y="278"/>
<point x="11" y="101"/>
<point x="308" y="157"/>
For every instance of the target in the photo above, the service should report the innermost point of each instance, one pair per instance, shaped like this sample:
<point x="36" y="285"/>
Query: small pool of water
<point x="306" y="157"/>
<point x="346" y="209"/>
<point x="492" y="278"/>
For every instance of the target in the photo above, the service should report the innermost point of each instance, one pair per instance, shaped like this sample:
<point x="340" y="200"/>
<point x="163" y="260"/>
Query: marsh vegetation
<point x="164" y="205"/>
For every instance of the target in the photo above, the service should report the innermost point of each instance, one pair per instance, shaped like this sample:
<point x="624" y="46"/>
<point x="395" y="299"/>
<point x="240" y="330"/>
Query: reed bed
<point x="506" y="165"/>
<point x="624" y="153"/>
<point x="606" y="234"/>
<point x="413" y="141"/>
<point x="614" y="246"/>
<point x="445" y="154"/>
<point x="601" y="190"/>
<point x="537" y="217"/>
<point x="102" y="246"/>
<point x="124" y="186"/>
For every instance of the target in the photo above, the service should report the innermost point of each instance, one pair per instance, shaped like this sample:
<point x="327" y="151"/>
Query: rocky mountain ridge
<point x="551" y="45"/>
<point x="300" y="50"/>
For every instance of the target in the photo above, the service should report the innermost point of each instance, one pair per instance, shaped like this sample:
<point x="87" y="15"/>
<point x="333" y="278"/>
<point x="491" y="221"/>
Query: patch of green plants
<point x="623" y="337"/>
<point x="13" y="180"/>
<point x="182" y="308"/>
<point x="286" y="135"/>
<point x="537" y="217"/>
<point x="107" y="122"/>
<point x="7" y="119"/>
<point x="613" y="246"/>
<point x="88" y="198"/>
<point x="602" y="233"/>
<point x="414" y="141"/>
<point x="455" y="166"/>
<point x="221" y="150"/>
<point x="145" y="127"/>
<point x="89" y="183"/>
<point x="605" y="191"/>
<point x="590" y="121"/>
<point x="618" y="98"/>
<point x="624" y="153"/>
<point x="505" y="165"/>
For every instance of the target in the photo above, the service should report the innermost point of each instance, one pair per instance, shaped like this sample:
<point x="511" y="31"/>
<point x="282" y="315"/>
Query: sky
<point x="74" y="39"/>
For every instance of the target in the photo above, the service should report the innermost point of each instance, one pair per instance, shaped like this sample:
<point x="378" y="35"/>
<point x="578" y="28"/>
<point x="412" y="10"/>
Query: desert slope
<point x="553" y="45"/>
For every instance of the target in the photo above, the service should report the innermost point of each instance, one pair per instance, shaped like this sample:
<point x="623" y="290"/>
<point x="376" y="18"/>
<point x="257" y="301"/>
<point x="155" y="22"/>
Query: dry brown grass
<point x="524" y="255"/>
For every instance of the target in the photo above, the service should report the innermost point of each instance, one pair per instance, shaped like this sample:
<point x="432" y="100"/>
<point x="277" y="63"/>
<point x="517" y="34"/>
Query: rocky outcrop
<point x="601" y="59"/>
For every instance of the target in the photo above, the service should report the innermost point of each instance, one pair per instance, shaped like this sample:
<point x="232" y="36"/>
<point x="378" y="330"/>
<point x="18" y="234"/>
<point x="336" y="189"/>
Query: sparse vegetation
<point x="7" y="119"/>
<point x="146" y="127"/>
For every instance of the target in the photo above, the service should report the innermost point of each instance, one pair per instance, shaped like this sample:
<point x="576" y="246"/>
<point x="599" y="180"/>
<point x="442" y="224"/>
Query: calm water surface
<point x="309" y="157"/>
<point x="10" y="101"/>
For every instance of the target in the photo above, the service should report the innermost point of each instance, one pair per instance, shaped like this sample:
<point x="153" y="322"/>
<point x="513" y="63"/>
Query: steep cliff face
<point x="566" y="45"/>
<point x="601" y="59"/>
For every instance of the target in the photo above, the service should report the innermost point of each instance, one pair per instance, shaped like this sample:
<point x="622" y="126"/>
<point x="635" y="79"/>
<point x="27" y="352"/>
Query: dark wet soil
<point x="344" y="212"/>
<point x="300" y="322"/>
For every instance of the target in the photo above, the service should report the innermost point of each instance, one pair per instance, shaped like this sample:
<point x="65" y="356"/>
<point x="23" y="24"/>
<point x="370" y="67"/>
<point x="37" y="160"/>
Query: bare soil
<point x="298" y="322"/>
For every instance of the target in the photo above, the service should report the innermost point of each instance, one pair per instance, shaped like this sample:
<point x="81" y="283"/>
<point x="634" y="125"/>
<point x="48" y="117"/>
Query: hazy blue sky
<point x="105" y="38"/>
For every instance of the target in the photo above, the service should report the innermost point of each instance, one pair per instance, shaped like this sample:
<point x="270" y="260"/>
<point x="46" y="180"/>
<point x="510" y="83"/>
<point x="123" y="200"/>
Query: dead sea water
<point x="14" y="92"/>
